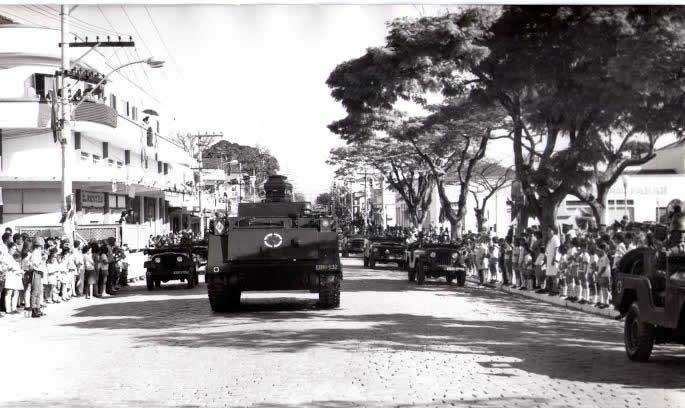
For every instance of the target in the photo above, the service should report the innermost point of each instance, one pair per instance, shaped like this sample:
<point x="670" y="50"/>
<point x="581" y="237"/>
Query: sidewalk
<point x="609" y="312"/>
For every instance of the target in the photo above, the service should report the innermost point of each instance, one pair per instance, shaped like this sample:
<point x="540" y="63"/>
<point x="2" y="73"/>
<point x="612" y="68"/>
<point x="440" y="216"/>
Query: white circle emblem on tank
<point x="273" y="240"/>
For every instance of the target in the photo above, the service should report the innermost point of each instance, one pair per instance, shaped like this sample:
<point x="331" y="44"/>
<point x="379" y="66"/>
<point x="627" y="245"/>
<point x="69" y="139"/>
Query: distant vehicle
<point x="354" y="245"/>
<point x="649" y="291"/>
<point x="436" y="261"/>
<point x="274" y="245"/>
<point x="166" y="264"/>
<point x="384" y="250"/>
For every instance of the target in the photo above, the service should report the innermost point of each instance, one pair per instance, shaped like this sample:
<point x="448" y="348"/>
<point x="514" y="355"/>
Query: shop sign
<point x="90" y="199"/>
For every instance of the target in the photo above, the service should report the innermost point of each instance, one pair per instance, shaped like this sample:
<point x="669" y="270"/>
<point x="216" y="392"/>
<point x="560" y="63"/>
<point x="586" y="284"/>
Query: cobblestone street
<point x="391" y="343"/>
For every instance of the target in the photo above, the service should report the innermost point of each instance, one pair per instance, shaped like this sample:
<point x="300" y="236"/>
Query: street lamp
<point x="64" y="129"/>
<point x="153" y="63"/>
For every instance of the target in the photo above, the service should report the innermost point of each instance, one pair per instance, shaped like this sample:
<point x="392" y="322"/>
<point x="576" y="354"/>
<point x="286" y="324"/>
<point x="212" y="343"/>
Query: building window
<point x="113" y="101"/>
<point x="110" y="162"/>
<point x="96" y="159"/>
<point x="105" y="150"/>
<point x="159" y="167"/>
<point x="146" y="162"/>
<point x="134" y="113"/>
<point x="157" y="127"/>
<point x="128" y="109"/>
<point x="77" y="140"/>
<point x="43" y="84"/>
<point x="119" y="164"/>
<point x="166" y="168"/>
<point x="127" y="157"/>
<point x="84" y="156"/>
<point x="150" y="137"/>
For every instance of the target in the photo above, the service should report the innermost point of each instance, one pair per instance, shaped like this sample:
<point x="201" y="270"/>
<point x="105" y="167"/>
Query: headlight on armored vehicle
<point x="375" y="249"/>
<point x="432" y="254"/>
<point x="219" y="227"/>
<point x="158" y="260"/>
<point x="179" y="259"/>
<point x="455" y="255"/>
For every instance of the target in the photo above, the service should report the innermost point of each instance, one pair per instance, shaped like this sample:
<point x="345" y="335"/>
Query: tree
<point x="560" y="91"/>
<point x="193" y="144"/>
<point x="489" y="177"/>
<point x="299" y="197"/>
<point x="397" y="163"/>
<point x="253" y="160"/>
<point x="454" y="139"/>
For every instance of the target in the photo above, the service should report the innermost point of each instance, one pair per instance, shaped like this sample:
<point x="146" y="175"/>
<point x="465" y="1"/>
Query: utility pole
<point x="62" y="128"/>
<point x="197" y="138"/>
<point x="65" y="127"/>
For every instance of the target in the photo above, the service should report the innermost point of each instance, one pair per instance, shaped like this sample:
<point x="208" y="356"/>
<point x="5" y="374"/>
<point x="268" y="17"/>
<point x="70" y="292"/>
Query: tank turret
<point x="278" y="190"/>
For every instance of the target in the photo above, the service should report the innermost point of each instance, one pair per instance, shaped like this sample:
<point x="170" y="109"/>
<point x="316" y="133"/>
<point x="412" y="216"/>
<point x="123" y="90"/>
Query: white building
<point x="118" y="153"/>
<point x="650" y="188"/>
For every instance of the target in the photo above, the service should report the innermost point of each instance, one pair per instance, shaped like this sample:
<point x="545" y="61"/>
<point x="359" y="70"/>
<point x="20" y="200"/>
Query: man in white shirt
<point x="551" y="258"/>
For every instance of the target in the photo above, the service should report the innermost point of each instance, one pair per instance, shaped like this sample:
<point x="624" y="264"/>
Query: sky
<point x="255" y="73"/>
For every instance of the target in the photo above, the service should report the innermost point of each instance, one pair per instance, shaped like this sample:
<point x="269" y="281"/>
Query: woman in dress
<point x="91" y="274"/>
<point x="13" y="278"/>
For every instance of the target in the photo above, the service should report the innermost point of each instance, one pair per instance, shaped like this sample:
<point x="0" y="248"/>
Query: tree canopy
<point x="253" y="160"/>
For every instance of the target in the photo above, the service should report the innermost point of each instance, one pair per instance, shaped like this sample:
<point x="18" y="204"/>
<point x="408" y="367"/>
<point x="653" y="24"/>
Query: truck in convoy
<point x="277" y="244"/>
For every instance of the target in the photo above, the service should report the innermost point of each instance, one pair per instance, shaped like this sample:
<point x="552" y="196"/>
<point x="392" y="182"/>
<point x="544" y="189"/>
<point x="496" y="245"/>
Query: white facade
<point x="497" y="212"/>
<point x="118" y="155"/>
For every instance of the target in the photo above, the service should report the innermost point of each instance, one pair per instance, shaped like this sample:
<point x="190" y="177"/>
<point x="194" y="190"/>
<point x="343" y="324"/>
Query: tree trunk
<point x="480" y="220"/>
<point x="548" y="213"/>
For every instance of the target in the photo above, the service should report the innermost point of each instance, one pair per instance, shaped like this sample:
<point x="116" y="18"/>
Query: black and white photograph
<point x="342" y="204"/>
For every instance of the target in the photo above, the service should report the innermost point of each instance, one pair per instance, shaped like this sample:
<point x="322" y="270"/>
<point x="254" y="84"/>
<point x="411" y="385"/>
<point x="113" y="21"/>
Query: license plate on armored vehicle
<point x="180" y="272"/>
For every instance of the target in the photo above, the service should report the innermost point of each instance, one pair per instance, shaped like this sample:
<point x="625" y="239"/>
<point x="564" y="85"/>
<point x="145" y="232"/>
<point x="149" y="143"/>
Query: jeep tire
<point x="158" y="283"/>
<point x="638" y="335"/>
<point x="420" y="273"/>
<point x="461" y="278"/>
<point x="329" y="294"/>
<point x="149" y="283"/>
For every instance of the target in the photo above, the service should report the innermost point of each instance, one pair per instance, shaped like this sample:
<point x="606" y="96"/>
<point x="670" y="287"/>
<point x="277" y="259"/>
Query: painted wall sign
<point x="94" y="200"/>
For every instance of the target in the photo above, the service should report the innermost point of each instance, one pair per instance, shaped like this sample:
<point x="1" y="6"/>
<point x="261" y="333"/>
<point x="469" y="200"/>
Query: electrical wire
<point x="31" y="22"/>
<point x="171" y="56"/>
<point x="141" y="39"/>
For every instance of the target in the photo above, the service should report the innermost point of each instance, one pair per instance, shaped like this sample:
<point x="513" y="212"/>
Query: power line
<point x="141" y="39"/>
<point x="30" y="21"/>
<point x="171" y="56"/>
<point x="86" y="23"/>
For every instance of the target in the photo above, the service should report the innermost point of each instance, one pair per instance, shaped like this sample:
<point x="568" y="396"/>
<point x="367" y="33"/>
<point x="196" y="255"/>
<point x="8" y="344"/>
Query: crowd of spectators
<point x="38" y="271"/>
<point x="576" y="264"/>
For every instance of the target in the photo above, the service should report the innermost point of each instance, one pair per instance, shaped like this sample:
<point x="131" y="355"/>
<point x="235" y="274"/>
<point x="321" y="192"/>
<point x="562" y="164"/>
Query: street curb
<point x="608" y="313"/>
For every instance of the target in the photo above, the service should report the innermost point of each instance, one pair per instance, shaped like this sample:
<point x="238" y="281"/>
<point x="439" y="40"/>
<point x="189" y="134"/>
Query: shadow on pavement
<point x="541" y="339"/>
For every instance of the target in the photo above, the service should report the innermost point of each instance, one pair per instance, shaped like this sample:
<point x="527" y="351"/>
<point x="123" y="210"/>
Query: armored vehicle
<point x="273" y="245"/>
<point x="435" y="261"/>
<point x="649" y="291"/>
<point x="171" y="263"/>
<point x="384" y="250"/>
<point x="353" y="245"/>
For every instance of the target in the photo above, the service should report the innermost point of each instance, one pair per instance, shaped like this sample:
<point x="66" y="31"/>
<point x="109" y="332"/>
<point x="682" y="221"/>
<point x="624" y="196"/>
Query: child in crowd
<point x="604" y="277"/>
<point x="515" y="263"/>
<point x="561" y="271"/>
<point x="583" y="270"/>
<point x="53" y="274"/>
<point x="572" y="271"/>
<point x="539" y="275"/>
<point x="91" y="274"/>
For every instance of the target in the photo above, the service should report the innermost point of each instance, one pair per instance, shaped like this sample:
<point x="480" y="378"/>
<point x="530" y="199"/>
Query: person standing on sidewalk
<point x="493" y="261"/>
<point x="515" y="257"/>
<point x="551" y="258"/>
<point x="38" y="273"/>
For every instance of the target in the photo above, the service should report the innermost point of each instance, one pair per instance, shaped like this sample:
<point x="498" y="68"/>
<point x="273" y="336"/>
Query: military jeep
<point x="649" y="291"/>
<point x="435" y="261"/>
<point x="165" y="264"/>
<point x="384" y="250"/>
